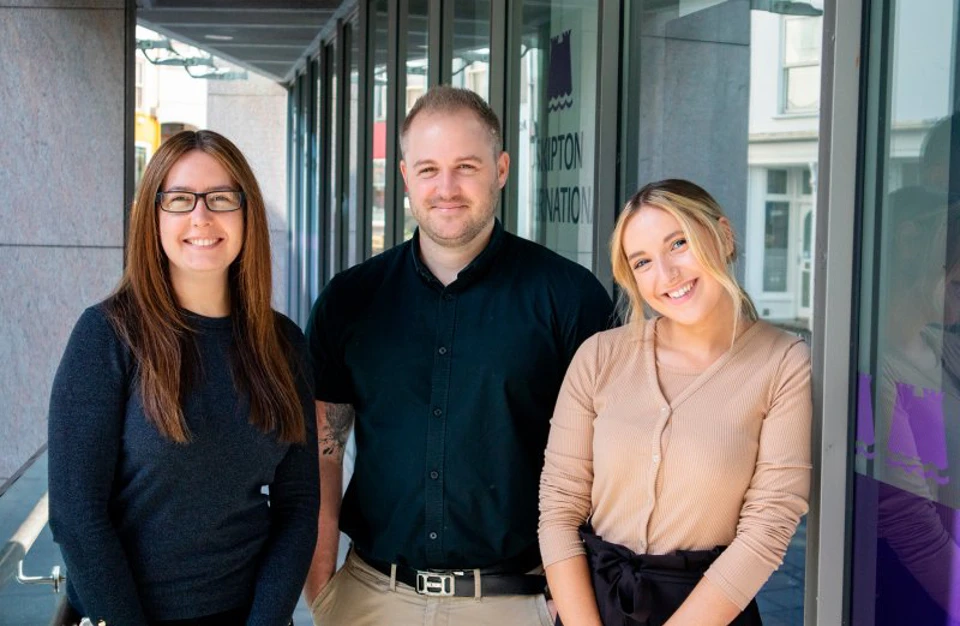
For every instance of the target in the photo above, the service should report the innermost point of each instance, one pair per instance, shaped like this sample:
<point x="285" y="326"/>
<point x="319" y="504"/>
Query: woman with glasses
<point x="182" y="444"/>
<point x="678" y="462"/>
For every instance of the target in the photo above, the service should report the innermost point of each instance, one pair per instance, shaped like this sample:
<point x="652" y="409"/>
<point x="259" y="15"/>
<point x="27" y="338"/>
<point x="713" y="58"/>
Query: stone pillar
<point x="252" y="113"/>
<point x="62" y="151"/>
<point x="694" y="72"/>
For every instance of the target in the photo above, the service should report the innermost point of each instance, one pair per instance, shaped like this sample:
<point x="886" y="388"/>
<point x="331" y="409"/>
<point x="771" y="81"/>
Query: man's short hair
<point x="447" y="99"/>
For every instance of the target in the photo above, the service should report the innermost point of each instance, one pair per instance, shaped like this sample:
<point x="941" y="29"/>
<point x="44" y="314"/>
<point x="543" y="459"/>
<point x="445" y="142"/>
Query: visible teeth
<point x="202" y="242"/>
<point x="679" y="293"/>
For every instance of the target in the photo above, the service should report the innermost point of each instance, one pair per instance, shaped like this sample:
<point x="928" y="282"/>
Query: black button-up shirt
<point x="453" y="388"/>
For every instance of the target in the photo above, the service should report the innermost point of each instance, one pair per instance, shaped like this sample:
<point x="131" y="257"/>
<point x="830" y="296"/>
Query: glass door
<point x="906" y="557"/>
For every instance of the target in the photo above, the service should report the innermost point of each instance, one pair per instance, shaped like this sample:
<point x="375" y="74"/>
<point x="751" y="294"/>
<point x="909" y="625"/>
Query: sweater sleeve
<point x="294" y="507"/>
<point x="567" y="479"/>
<point x="87" y="408"/>
<point x="778" y="492"/>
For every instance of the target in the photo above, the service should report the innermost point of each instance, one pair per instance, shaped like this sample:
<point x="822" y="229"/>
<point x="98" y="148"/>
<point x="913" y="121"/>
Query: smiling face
<point x="199" y="244"/>
<point x="668" y="275"/>
<point x="453" y="176"/>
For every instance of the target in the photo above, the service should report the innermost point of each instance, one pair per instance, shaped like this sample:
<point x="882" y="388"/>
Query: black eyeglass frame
<point x="196" y="198"/>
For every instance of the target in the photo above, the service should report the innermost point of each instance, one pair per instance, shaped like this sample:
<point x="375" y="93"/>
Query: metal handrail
<point x="16" y="548"/>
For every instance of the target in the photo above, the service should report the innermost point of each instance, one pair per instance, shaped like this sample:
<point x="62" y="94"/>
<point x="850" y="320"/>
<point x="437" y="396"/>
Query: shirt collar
<point x="474" y="270"/>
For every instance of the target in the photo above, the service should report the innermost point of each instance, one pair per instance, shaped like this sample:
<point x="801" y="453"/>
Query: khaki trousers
<point x="359" y="595"/>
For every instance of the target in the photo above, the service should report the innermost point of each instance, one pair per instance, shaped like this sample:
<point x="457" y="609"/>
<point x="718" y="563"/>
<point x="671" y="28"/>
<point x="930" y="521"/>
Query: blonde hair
<point x="712" y="244"/>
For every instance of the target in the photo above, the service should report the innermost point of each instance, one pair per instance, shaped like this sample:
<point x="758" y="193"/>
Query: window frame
<point x="785" y="67"/>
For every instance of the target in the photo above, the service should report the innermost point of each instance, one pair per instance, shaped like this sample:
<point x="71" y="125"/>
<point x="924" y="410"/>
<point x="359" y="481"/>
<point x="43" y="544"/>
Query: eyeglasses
<point x="222" y="201"/>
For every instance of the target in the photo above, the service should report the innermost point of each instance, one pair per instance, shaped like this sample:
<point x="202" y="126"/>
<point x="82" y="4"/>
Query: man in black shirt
<point x="446" y="353"/>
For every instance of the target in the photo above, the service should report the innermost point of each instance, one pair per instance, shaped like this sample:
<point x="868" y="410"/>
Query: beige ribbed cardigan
<point x="724" y="461"/>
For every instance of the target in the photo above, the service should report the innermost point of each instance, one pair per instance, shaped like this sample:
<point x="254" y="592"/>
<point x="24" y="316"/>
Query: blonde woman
<point x="678" y="463"/>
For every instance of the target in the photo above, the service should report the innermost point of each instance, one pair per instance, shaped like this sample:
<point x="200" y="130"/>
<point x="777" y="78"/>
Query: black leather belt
<point x="461" y="583"/>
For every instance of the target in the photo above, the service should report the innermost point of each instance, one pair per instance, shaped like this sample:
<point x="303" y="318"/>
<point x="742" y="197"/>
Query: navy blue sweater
<point x="153" y="530"/>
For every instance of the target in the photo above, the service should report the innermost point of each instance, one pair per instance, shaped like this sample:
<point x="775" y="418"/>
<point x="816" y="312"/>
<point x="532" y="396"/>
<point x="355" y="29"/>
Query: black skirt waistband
<point x="646" y="589"/>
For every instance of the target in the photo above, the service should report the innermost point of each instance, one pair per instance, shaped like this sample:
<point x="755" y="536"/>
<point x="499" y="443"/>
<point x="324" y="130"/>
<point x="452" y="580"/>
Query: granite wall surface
<point x="62" y="184"/>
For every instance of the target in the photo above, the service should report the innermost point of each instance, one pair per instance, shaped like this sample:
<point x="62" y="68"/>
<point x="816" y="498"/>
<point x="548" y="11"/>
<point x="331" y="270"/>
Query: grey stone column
<point x="62" y="151"/>
<point x="694" y="102"/>
<point x="252" y="113"/>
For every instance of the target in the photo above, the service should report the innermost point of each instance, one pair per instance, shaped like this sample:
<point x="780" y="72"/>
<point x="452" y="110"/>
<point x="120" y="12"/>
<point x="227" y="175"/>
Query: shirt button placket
<point x="436" y="428"/>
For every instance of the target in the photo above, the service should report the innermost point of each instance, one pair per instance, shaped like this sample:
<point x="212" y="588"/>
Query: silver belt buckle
<point x="435" y="584"/>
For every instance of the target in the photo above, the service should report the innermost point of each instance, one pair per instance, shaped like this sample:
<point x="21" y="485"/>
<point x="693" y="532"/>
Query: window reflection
<point x="417" y="65"/>
<point x="906" y="565"/>
<point x="557" y="126"/>
<point x="378" y="187"/>
<point x="352" y="122"/>
<point x="333" y="204"/>
<point x="471" y="46"/>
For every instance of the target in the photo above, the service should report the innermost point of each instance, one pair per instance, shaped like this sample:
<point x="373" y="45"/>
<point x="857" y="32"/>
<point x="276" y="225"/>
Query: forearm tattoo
<point x="333" y="434"/>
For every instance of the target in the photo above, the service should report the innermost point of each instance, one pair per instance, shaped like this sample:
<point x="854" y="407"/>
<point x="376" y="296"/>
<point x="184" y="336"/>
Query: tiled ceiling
<point x="265" y="36"/>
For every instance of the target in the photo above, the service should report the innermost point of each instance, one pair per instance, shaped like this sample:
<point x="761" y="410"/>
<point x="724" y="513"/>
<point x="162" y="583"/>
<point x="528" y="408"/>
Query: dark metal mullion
<point x="607" y="148"/>
<point x="436" y="53"/>
<point x="304" y="190"/>
<point x="497" y="97"/>
<point x="336" y="241"/>
<point x="498" y="59"/>
<point x="629" y="109"/>
<point x="510" y="86"/>
<point x="394" y="121"/>
<point x="344" y="41"/>
<point x="445" y="51"/>
<point x="314" y="229"/>
<point x="364" y="124"/>
<point x="323" y="214"/>
<point x="883" y="118"/>
<point x="394" y="89"/>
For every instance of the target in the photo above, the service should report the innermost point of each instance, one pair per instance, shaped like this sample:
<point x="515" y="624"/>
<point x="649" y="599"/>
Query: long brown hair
<point x="699" y="216"/>
<point x="144" y="310"/>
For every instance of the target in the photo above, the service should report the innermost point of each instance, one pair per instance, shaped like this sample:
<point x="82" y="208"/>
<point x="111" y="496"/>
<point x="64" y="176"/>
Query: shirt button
<point x="442" y="350"/>
<point x="433" y="535"/>
<point x="664" y="409"/>
<point x="656" y="459"/>
<point x="434" y="474"/>
<point x="438" y="412"/>
<point x="448" y="296"/>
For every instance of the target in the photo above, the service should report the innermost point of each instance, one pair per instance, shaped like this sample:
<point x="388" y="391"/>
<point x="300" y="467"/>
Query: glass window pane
<point x="906" y="562"/>
<point x="334" y="242"/>
<point x="777" y="181"/>
<point x="802" y="40"/>
<point x="703" y="98"/>
<point x="558" y="59"/>
<point x="417" y="65"/>
<point x="471" y="46"/>
<point x="378" y="186"/>
<point x="775" y="246"/>
<point x="802" y="88"/>
<point x="353" y="128"/>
